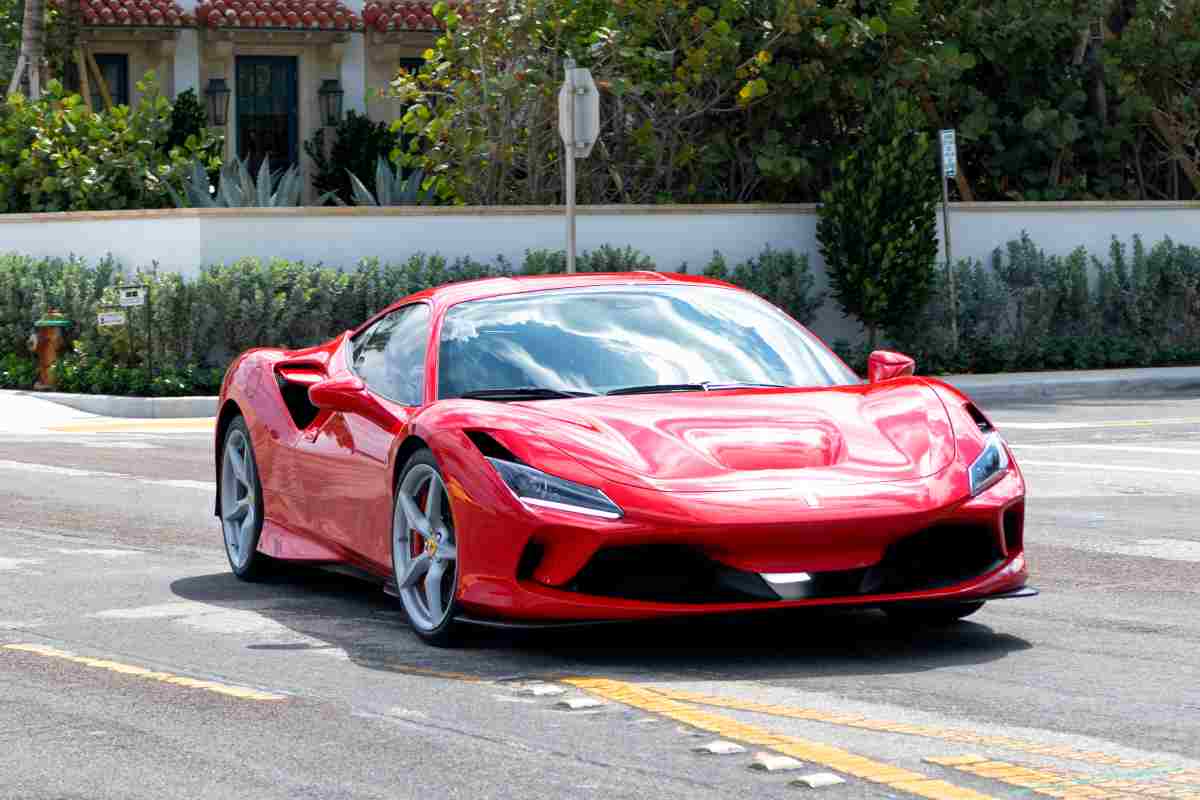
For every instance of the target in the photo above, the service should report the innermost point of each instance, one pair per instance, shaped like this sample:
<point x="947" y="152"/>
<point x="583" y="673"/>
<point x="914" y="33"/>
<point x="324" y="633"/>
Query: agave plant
<point x="391" y="188"/>
<point x="236" y="189"/>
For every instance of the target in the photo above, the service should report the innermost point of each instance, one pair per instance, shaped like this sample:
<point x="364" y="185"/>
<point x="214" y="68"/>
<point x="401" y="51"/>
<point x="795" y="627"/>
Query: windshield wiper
<point x="706" y="386"/>
<point x="652" y="388"/>
<point x="523" y="393"/>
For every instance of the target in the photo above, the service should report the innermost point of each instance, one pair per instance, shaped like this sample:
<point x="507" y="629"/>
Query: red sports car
<point x="535" y="450"/>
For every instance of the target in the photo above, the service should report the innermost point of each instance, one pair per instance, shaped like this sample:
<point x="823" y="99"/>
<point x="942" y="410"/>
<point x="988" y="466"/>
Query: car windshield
<point x="598" y="340"/>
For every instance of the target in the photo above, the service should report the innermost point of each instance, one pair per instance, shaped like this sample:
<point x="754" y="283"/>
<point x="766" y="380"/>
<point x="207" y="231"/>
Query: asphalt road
<point x="132" y="664"/>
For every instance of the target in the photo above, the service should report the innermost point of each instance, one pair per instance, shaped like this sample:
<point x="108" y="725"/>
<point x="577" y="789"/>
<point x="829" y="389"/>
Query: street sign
<point x="131" y="296"/>
<point x="110" y="319"/>
<point x="586" y="108"/>
<point x="949" y="155"/>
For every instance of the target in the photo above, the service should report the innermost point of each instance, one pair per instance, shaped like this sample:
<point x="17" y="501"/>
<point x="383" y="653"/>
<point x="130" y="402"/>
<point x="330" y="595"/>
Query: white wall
<point x="184" y="240"/>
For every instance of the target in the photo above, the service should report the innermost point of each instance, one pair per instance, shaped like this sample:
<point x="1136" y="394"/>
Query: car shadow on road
<point x="327" y="610"/>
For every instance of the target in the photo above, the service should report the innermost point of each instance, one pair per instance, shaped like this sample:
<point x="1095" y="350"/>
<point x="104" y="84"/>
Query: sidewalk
<point x="1015" y="387"/>
<point x="1027" y="387"/>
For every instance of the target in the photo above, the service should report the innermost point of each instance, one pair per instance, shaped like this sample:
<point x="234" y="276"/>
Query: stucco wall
<point x="184" y="240"/>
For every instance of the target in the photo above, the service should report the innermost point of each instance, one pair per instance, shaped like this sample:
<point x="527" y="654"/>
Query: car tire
<point x="933" y="615"/>
<point x="425" y="548"/>
<point x="241" y="504"/>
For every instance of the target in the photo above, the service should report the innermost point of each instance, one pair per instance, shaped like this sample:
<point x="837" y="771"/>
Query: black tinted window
<point x="390" y="355"/>
<point x="597" y="340"/>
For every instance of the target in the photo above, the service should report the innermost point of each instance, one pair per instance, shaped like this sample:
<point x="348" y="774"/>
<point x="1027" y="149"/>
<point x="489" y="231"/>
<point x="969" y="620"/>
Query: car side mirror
<point x="883" y="365"/>
<point x="344" y="393"/>
<point x="348" y="394"/>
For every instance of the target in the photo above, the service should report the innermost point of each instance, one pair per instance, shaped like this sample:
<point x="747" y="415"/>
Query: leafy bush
<point x="782" y="276"/>
<point x="55" y="155"/>
<point x="357" y="144"/>
<point x="1024" y="311"/>
<point x="877" y="225"/>
<point x="1032" y="311"/>
<point x="17" y="371"/>
<point x="604" y="258"/>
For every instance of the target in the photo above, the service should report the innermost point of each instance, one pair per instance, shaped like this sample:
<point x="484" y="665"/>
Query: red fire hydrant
<point x="49" y="343"/>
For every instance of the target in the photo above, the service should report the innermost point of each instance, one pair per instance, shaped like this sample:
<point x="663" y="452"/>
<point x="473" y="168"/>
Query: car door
<point x="349" y="474"/>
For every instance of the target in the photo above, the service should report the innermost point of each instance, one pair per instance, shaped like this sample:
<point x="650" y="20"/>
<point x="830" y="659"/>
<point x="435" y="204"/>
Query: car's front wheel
<point x="425" y="550"/>
<point x="932" y="615"/>
<point x="241" y="503"/>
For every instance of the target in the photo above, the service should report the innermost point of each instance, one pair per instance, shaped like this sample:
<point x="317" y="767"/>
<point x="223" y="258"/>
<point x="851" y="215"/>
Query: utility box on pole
<point x="579" y="126"/>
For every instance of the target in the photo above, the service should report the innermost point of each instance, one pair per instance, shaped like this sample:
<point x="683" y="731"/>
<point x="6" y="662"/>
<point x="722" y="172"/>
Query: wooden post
<point x="85" y="86"/>
<point x="101" y="84"/>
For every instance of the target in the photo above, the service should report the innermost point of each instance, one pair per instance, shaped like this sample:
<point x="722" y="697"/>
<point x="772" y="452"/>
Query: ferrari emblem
<point x="430" y="547"/>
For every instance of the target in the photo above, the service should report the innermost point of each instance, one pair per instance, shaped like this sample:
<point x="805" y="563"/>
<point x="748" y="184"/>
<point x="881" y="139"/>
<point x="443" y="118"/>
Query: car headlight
<point x="990" y="466"/>
<point x="536" y="488"/>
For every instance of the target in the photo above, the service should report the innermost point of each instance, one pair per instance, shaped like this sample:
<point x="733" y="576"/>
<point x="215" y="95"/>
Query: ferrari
<point x="567" y="449"/>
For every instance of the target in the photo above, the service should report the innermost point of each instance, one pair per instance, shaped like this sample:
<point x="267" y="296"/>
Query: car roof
<point x="454" y="293"/>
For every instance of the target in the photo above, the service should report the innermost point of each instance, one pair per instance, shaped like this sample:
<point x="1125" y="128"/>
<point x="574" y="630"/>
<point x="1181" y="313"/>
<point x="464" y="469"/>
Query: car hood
<point x="754" y="439"/>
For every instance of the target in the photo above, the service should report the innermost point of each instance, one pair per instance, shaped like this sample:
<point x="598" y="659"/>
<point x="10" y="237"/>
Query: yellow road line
<point x="1063" y="784"/>
<point x="240" y="692"/>
<point x="835" y="758"/>
<point x="201" y="424"/>
<point x="927" y="731"/>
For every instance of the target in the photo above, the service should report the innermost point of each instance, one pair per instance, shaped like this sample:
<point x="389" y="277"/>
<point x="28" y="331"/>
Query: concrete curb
<point x="1017" y="387"/>
<point x="1032" y="387"/>
<point x="133" y="407"/>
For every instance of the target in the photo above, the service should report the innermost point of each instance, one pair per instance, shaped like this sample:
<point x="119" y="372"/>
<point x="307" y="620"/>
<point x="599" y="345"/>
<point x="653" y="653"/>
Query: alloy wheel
<point x="424" y="549"/>
<point x="239" y="493"/>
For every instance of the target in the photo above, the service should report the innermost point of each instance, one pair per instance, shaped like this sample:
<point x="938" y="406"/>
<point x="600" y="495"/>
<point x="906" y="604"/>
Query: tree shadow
<point x="370" y="627"/>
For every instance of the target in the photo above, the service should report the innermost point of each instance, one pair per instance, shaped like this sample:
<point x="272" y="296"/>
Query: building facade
<point x="274" y="56"/>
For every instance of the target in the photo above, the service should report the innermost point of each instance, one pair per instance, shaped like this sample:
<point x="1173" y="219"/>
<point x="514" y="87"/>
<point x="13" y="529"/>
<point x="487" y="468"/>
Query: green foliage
<point x="482" y="111"/>
<point x="357" y="144"/>
<point x="236" y="189"/>
<point x="17" y="371"/>
<point x="55" y="155"/>
<point x="1026" y="310"/>
<point x="782" y="276"/>
<point x="1032" y="311"/>
<point x="391" y="188"/>
<point x="877" y="225"/>
<point x="604" y="258"/>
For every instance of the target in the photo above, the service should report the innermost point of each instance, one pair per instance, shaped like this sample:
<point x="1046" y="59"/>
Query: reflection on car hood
<point x="714" y="441"/>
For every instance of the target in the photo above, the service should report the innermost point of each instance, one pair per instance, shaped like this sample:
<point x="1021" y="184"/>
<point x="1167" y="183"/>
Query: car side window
<point x="390" y="355"/>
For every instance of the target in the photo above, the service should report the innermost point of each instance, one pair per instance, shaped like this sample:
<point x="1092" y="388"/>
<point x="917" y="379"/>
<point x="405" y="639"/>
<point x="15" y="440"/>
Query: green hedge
<point x="199" y="325"/>
<point x="1029" y="311"/>
<point x="1136" y="306"/>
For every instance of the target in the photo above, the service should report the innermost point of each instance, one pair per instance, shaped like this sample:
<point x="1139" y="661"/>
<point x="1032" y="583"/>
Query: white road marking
<point x="1123" y="448"/>
<point x="214" y="619"/>
<point x="1115" y="423"/>
<point x="72" y="472"/>
<point x="96" y="551"/>
<point x="17" y="564"/>
<point x="122" y="445"/>
<point x="1168" y="549"/>
<point x="1098" y="468"/>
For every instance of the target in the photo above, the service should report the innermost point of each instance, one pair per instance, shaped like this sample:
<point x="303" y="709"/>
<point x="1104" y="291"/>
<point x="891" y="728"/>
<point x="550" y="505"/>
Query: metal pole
<point x="569" y="66"/>
<point x="149" y="339"/>
<point x="949" y="264"/>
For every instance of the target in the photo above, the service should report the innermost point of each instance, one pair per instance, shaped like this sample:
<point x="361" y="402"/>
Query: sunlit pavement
<point x="133" y="665"/>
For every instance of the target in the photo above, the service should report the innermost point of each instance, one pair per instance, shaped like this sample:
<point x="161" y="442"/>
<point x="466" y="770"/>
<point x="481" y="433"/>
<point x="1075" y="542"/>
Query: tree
<point x="877" y="225"/>
<point x="29" y="59"/>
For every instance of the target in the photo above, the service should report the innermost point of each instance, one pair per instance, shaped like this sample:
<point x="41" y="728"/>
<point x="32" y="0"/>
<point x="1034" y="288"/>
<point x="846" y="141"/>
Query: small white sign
<point x="949" y="154"/>
<point x="587" y="111"/>
<point x="110" y="319"/>
<point x="131" y="296"/>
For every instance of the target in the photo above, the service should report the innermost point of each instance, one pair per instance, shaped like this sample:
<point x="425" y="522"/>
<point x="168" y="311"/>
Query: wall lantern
<point x="217" y="94"/>
<point x="331" y="101"/>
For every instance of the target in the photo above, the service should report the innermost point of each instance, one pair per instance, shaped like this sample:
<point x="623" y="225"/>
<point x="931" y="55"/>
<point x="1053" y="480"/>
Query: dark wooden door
<point x="267" y="111"/>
